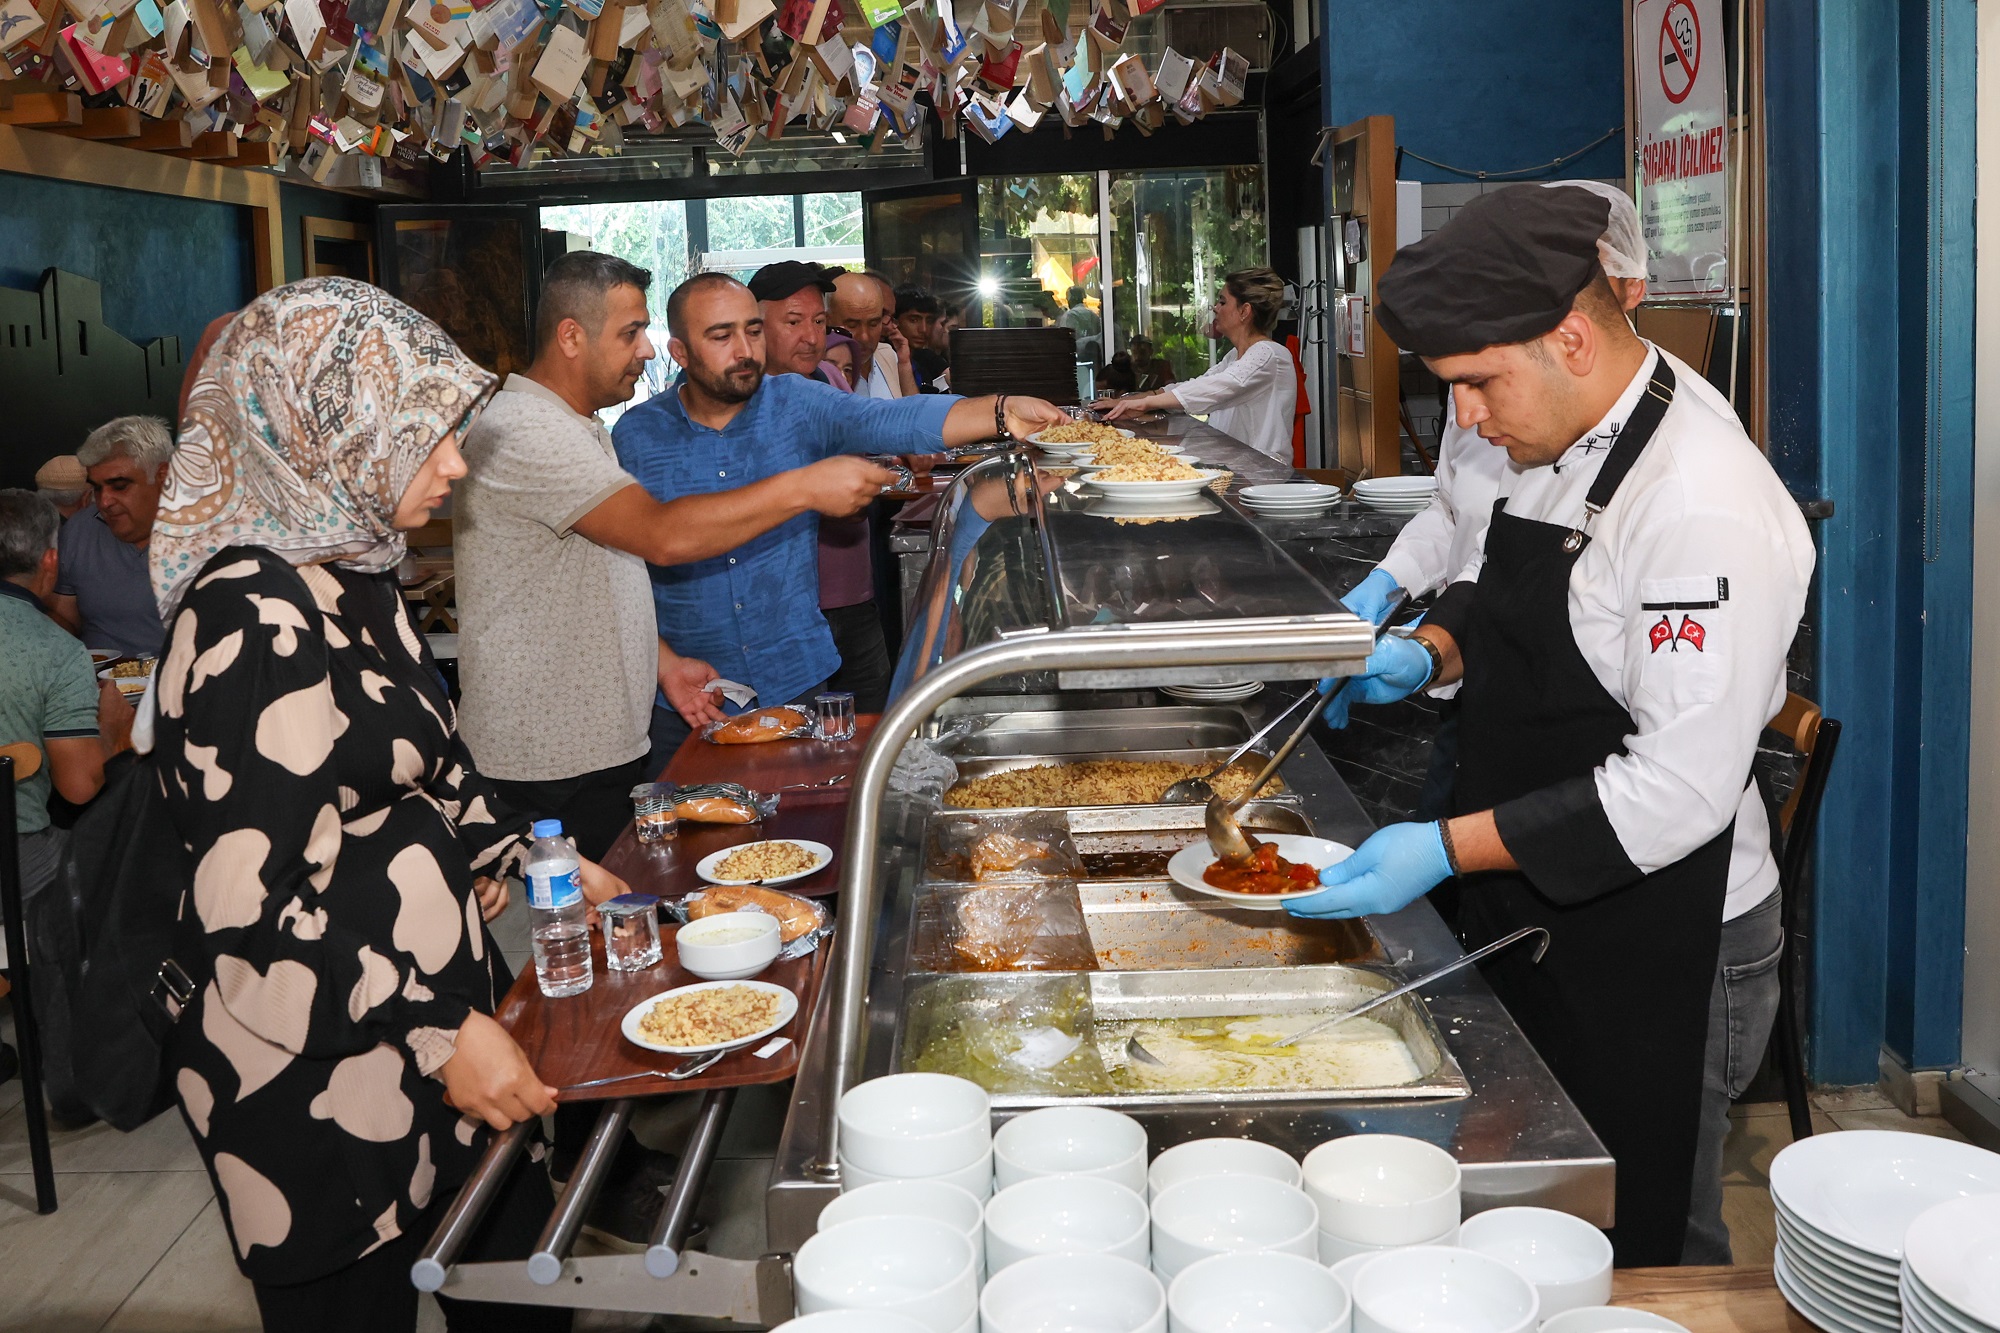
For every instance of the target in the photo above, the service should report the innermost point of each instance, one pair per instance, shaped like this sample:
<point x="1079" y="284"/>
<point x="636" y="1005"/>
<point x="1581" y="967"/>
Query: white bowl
<point x="1220" y="1157"/>
<point x="1347" y="1268"/>
<point x="1383" y="1189"/>
<point x="1060" y="1293"/>
<point x="1566" y="1258"/>
<point x="1335" y="1249"/>
<point x="976" y="1180"/>
<point x="912" y="1125"/>
<point x="1430" y="1289"/>
<point x="733" y="960"/>
<point x="850" y="1321"/>
<point x="1071" y="1141"/>
<point x="897" y="1265"/>
<point x="956" y="1207"/>
<point x="1227" y="1214"/>
<point x="1609" y="1319"/>
<point x="1065" y="1215"/>
<point x="1271" y="1293"/>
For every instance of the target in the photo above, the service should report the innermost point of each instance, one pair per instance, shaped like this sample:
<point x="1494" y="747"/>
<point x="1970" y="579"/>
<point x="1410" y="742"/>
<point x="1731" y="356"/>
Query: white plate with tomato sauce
<point x="1191" y="863"/>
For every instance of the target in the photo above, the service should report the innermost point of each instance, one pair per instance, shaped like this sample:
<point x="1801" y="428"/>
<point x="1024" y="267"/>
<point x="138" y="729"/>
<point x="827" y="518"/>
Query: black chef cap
<point x="1506" y="268"/>
<point x="775" y="282"/>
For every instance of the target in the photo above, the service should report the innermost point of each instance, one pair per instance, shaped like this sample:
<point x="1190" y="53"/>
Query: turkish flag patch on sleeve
<point x="1691" y="633"/>
<point x="1661" y="634"/>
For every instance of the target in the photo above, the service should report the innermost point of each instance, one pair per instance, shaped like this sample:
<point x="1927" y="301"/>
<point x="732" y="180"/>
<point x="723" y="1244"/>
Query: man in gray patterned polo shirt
<point x="559" y="655"/>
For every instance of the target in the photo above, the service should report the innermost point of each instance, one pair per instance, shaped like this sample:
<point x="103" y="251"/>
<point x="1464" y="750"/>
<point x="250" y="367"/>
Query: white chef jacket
<point x="1441" y="541"/>
<point x="1438" y="543"/>
<point x="1251" y="397"/>
<point x="1684" y="605"/>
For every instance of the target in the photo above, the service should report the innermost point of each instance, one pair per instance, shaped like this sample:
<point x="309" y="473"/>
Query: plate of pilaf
<point x="774" y="861"/>
<point x="709" y="1016"/>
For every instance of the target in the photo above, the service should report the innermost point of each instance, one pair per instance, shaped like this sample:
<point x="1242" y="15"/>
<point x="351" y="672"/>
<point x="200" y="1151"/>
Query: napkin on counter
<point x="740" y="695"/>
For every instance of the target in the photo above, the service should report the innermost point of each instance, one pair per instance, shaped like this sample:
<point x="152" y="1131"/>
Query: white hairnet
<point x="1622" y="248"/>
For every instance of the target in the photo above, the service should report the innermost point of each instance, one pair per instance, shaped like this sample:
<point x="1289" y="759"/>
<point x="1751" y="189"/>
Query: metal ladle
<point x="1137" y="1051"/>
<point x="1233" y="847"/>
<point x="1196" y="791"/>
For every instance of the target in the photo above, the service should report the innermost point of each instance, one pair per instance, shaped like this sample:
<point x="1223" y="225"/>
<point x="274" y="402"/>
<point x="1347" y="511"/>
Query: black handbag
<point x="114" y="963"/>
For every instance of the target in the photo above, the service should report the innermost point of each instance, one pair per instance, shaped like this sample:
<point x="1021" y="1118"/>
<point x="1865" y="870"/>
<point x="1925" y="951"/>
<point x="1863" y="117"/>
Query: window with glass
<point x="1038" y="253"/>
<point x="1173" y="236"/>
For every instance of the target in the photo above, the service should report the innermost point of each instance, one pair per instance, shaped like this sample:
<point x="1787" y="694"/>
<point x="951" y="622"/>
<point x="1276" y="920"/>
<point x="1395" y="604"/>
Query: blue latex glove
<point x="1395" y="867"/>
<point x="1369" y="598"/>
<point x="1396" y="669"/>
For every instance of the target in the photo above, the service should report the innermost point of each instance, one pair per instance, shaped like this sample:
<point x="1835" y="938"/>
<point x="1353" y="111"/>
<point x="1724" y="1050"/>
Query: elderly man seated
<point x="103" y="592"/>
<point x="49" y="695"/>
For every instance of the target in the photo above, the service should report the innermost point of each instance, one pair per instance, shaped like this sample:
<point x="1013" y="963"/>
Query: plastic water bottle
<point x="556" y="925"/>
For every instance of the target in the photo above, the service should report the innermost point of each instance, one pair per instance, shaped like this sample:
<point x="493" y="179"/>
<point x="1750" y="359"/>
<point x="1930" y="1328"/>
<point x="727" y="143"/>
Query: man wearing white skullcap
<point x="1431" y="552"/>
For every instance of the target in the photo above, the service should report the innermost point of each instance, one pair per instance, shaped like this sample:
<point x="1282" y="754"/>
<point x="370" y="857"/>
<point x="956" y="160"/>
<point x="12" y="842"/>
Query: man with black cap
<point x="1621" y="642"/>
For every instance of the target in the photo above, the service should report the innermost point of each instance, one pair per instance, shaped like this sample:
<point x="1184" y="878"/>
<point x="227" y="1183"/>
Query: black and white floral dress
<point x="335" y="826"/>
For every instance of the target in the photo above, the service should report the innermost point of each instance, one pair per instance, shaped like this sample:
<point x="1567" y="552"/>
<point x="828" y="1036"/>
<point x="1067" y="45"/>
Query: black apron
<point x="1619" y="1005"/>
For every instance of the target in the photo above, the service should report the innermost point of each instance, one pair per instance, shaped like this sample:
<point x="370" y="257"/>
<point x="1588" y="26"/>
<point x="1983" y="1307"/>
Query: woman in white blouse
<point x="1253" y="390"/>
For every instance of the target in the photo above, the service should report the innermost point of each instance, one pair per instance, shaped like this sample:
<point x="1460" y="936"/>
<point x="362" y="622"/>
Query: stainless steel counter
<point x="1056" y="596"/>
<point x="1518" y="1137"/>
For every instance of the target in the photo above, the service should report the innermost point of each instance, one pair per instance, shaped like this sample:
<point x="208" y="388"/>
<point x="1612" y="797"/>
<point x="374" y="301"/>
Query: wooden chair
<point x="18" y="762"/>
<point x="1814" y="737"/>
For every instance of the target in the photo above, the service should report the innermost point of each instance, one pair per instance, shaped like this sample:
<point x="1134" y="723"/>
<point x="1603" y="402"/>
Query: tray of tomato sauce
<point x="1284" y="867"/>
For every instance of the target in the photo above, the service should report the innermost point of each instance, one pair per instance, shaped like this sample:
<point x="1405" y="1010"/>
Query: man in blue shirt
<point x="753" y="612"/>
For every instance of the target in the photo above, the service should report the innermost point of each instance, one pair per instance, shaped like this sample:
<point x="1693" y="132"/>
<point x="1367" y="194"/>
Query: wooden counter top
<point x="1738" y="1299"/>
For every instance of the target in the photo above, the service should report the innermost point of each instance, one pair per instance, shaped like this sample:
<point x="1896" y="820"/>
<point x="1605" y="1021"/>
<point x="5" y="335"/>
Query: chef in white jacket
<point x="1438" y="544"/>
<point x="1253" y="391"/>
<point x="1621" y="641"/>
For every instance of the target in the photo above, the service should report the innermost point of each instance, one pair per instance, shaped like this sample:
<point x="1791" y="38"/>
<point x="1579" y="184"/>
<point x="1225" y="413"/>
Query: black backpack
<point x="114" y="964"/>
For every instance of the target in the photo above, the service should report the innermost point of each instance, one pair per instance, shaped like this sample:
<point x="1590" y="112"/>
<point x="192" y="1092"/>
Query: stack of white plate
<point x="1290" y="499"/>
<point x="1212" y="694"/>
<point x="1396" y="495"/>
<point x="1951" y="1267"/>
<point x="1844" y="1202"/>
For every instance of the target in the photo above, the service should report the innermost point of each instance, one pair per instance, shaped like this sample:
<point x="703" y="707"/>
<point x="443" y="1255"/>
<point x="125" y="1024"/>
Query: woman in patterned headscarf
<point x="340" y="1071"/>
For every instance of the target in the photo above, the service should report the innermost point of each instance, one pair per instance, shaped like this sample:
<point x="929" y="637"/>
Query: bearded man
<point x="753" y="612"/>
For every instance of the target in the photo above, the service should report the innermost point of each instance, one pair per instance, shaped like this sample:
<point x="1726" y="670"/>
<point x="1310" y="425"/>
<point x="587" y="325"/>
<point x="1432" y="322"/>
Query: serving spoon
<point x="1233" y="847"/>
<point x="1137" y="1051"/>
<point x="1197" y="791"/>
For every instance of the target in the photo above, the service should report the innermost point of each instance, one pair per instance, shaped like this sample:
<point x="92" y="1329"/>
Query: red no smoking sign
<point x="1680" y="50"/>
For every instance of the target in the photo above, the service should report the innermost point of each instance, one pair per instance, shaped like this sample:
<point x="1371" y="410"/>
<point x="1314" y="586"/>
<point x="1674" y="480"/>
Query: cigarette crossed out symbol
<point x="1663" y="634"/>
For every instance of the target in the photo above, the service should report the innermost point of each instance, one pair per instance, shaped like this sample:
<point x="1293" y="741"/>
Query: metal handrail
<point x="1214" y="643"/>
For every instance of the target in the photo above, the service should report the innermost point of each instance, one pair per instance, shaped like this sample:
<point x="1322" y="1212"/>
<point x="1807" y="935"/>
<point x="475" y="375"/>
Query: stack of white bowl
<point x="1380" y="1192"/>
<point x="1210" y="1215"/>
<point x="914" y="1267"/>
<point x="1265" y="1291"/>
<point x="1065" y="1215"/>
<point x="1565" y="1259"/>
<point x="1844" y="1204"/>
<point x="1063" y="1293"/>
<point x="1441" y="1289"/>
<point x="1071" y="1141"/>
<point x="1229" y="692"/>
<point x="1290" y="499"/>
<point x="917" y="1127"/>
<point x="1951" y="1255"/>
<point x="1396" y="495"/>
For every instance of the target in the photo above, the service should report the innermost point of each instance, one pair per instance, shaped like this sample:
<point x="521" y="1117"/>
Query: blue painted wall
<point x="1490" y="85"/>
<point x="167" y="266"/>
<point x="1871" y="347"/>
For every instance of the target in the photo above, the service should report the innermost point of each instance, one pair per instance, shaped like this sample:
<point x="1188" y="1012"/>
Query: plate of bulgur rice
<point x="709" y="1016"/>
<point x="773" y="861"/>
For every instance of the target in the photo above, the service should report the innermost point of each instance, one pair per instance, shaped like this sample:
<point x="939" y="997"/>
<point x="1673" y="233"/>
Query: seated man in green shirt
<point x="49" y="696"/>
